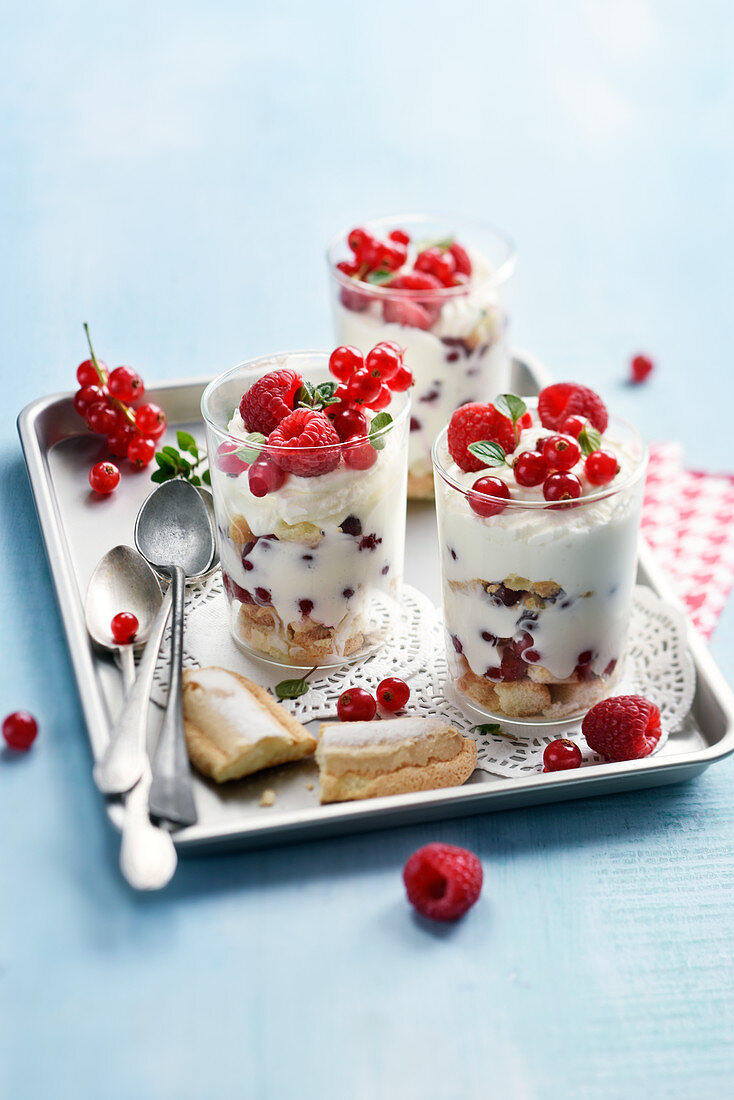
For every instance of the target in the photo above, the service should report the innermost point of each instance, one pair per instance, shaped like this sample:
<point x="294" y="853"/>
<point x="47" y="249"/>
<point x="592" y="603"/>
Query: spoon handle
<point x="127" y="663"/>
<point x="147" y="856"/>
<point x="126" y="755"/>
<point x="171" y="795"/>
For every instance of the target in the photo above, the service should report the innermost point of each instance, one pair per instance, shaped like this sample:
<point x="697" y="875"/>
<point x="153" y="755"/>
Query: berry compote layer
<point x="434" y="287"/>
<point x="311" y="520"/>
<point x="538" y="515"/>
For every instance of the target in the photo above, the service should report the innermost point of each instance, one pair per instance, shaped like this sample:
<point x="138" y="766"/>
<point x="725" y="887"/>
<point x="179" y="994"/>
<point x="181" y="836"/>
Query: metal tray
<point x="78" y="528"/>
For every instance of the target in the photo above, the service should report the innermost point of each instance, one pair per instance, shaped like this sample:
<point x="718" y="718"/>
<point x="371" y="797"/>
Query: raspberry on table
<point x="626" y="727"/>
<point x="640" y="367"/>
<point x="269" y="400"/>
<point x="442" y="881"/>
<point x="564" y="399"/>
<point x="472" y="423"/>
<point x="309" y="441"/>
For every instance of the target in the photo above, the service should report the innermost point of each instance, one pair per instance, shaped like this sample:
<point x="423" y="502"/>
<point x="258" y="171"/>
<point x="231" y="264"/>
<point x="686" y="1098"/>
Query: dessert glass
<point x="463" y="356"/>
<point x="537" y="598"/>
<point x="313" y="570"/>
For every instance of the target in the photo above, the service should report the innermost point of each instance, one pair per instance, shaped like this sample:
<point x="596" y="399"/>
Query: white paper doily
<point x="658" y="665"/>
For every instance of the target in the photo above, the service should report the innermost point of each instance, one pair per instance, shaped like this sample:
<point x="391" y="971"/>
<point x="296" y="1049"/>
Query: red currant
<point x="461" y="259"/>
<point x="383" y="362"/>
<point x="530" y="468"/>
<point x="560" y="755"/>
<point x="400" y="236"/>
<point x="401" y="381"/>
<point x="102" y="419"/>
<point x="228" y="461"/>
<point x="150" y="420"/>
<point x="265" y="477"/>
<point x="382" y="400"/>
<point x="104" y="477"/>
<point x="349" y="267"/>
<point x="640" y="367"/>
<point x="356" y="705"/>
<point x="349" y="423"/>
<point x="357" y="239"/>
<point x="124" y="627"/>
<point x="562" y="487"/>
<point x="360" y="456"/>
<point x="19" y="730"/>
<point x="119" y="440"/>
<point x="601" y="467"/>
<point x="344" y="361"/>
<point x="393" y="693"/>
<point x="438" y="263"/>
<point x="483" y="488"/>
<point x="561" y="452"/>
<point x="572" y="425"/>
<point x="86" y="397"/>
<point x="86" y="375"/>
<point x="394" y="256"/>
<point x="126" y="385"/>
<point x="141" y="451"/>
<point x="362" y="387"/>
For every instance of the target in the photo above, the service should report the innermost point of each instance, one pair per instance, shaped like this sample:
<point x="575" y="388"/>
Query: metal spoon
<point x="174" y="532"/>
<point x="122" y="581"/>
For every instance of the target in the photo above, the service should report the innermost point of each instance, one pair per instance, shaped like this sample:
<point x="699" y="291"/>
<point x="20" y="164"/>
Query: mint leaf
<point x="491" y="454"/>
<point x="304" y="396"/>
<point x="589" y="439"/>
<point x="291" y="689"/>
<point x="159" y="476"/>
<point x="324" y="394"/>
<point x="510" y="405"/>
<point x="206" y="477"/>
<point x="379" y="277"/>
<point x="187" y="443"/>
<point x="378" y="423"/>
<point x="253" y="445"/>
<point x="489" y="727"/>
<point x="166" y="462"/>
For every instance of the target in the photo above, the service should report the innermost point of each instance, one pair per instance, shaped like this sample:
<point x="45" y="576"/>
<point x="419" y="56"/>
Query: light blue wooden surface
<point x="170" y="173"/>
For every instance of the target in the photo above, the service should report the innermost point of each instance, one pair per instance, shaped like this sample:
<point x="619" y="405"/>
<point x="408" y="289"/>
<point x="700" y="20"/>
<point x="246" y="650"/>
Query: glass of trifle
<point x="308" y="461"/>
<point x="538" y="505"/>
<point x="435" y="285"/>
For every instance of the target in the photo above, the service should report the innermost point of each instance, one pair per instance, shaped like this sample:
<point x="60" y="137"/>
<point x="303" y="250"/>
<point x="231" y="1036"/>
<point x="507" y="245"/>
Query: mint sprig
<point x="489" y="452"/>
<point x="293" y="689"/>
<point x="172" y="463"/>
<point x="318" y="397"/>
<point x="513" y="407"/>
<point x="380" y="277"/>
<point x="589" y="439"/>
<point x="254" y="443"/>
<point x="379" y="422"/>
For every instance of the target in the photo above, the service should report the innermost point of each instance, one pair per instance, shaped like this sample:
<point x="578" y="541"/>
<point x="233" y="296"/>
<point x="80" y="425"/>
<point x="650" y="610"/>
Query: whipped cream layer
<point x="588" y="551"/>
<point x="462" y="357"/>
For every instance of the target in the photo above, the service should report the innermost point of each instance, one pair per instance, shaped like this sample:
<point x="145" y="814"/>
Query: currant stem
<point x="123" y="408"/>
<point x="95" y="361"/>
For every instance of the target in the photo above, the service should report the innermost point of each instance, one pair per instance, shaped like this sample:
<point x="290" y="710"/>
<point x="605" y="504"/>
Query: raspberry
<point x="626" y="727"/>
<point x="640" y="367"/>
<point x="442" y="881"/>
<point x="473" y="422"/>
<point x="564" y="399"/>
<point x="406" y="312"/>
<point x="269" y="400"/>
<point x="310" y="441"/>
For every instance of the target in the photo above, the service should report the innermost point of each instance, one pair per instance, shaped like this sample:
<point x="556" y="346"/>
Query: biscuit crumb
<point x="267" y="798"/>
<point x="309" y="786"/>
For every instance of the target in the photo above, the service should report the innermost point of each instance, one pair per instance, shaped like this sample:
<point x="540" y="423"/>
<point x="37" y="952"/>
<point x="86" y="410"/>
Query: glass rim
<point x="274" y="449"/>
<point x="499" y="276"/>
<point x="603" y="493"/>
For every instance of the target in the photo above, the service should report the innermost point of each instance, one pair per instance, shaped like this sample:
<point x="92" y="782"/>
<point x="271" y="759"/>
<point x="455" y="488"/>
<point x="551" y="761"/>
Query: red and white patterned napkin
<point x="688" y="520"/>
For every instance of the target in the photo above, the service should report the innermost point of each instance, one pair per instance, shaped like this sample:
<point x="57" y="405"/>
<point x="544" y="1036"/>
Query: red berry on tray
<point x="601" y="467"/>
<point x="384" y="361"/>
<point x="360" y="456"/>
<point x="392" y="693"/>
<point x="484" y="488"/>
<point x="344" y="361"/>
<point x="19" y="730"/>
<point x="119" y="440"/>
<point x="150" y="420"/>
<point x="102" y="419"/>
<point x="87" y="396"/>
<point x="443" y="881"/>
<point x="640" y="367"/>
<point x="561" y="755"/>
<point x="530" y="468"/>
<point x="356" y="705"/>
<point x="126" y="385"/>
<point x="86" y="375"/>
<point x="264" y="476"/>
<point x="472" y="423"/>
<point x="141" y="451"/>
<point x="562" y="486"/>
<point x="626" y="727"/>
<point x="124" y="627"/>
<point x="305" y="443"/>
<point x="104" y="477"/>
<point x="270" y="400"/>
<point x="561" y="452"/>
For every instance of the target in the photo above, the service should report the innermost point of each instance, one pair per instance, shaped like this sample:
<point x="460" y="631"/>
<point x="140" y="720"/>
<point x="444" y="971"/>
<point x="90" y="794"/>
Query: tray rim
<point x="386" y="812"/>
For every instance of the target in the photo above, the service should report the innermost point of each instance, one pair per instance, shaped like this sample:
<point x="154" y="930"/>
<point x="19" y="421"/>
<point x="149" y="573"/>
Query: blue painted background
<point x="171" y="172"/>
